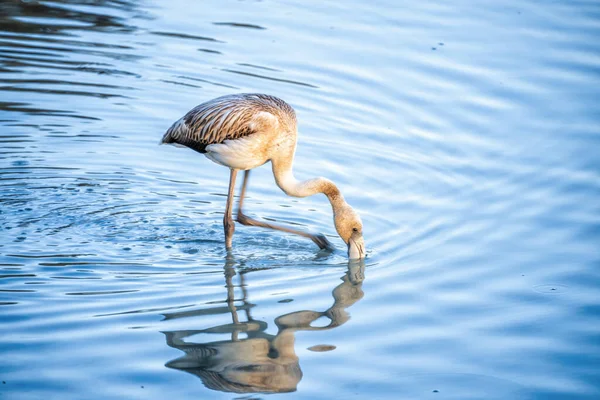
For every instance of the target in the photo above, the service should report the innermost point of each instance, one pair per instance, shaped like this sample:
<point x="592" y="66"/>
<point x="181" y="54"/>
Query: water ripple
<point x="465" y="136"/>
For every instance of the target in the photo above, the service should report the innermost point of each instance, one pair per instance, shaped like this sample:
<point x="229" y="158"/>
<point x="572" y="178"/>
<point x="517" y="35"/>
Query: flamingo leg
<point x="228" y="224"/>
<point x="319" y="239"/>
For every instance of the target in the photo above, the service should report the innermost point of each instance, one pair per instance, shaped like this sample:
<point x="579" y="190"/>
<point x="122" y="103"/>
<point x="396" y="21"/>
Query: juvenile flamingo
<point x="245" y="131"/>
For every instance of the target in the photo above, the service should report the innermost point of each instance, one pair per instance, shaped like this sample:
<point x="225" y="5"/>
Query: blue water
<point x="466" y="134"/>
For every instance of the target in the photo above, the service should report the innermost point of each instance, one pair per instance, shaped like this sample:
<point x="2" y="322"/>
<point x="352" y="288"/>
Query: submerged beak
<point x="356" y="247"/>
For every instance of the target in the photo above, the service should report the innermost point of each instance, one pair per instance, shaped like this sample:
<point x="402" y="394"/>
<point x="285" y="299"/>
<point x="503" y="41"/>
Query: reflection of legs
<point x="176" y="339"/>
<point x="245" y="295"/>
<point x="229" y="273"/>
<point x="319" y="239"/>
<point x="228" y="224"/>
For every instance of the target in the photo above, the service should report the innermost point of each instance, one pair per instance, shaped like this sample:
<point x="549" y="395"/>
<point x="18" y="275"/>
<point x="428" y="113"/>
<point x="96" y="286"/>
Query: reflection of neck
<point x="344" y="295"/>
<point x="285" y="179"/>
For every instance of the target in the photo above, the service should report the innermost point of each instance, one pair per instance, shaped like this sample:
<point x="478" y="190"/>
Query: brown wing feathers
<point x="224" y="118"/>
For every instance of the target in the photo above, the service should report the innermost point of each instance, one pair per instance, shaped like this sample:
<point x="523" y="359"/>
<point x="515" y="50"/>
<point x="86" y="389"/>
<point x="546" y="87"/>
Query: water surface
<point x="466" y="135"/>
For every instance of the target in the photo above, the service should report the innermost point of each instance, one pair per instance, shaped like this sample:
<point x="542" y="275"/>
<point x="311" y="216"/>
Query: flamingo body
<point x="245" y="131"/>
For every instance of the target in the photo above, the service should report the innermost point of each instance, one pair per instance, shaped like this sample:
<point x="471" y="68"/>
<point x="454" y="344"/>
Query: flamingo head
<point x="349" y="227"/>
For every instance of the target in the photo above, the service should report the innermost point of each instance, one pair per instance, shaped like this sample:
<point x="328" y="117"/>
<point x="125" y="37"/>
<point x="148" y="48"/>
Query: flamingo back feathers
<point x="227" y="118"/>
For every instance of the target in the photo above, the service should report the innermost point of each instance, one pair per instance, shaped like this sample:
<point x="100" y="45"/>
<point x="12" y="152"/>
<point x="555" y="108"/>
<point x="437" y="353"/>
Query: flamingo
<point x="245" y="131"/>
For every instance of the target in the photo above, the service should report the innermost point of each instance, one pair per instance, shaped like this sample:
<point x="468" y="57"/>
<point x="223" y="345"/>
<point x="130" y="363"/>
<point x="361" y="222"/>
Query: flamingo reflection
<point x="259" y="362"/>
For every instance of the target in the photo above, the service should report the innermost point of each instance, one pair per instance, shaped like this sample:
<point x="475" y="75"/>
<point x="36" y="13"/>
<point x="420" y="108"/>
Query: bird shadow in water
<point x="260" y="362"/>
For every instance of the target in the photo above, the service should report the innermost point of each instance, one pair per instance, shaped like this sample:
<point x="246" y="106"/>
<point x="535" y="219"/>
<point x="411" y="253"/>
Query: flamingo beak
<point x="356" y="247"/>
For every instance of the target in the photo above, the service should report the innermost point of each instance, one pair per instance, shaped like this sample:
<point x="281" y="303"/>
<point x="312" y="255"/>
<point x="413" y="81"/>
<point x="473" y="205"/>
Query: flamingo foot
<point x="321" y="241"/>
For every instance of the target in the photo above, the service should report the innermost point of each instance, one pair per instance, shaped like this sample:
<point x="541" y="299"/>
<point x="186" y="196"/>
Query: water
<point x="466" y="135"/>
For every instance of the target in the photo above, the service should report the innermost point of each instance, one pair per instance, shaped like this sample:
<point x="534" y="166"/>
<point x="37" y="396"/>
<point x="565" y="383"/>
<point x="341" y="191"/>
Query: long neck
<point x="284" y="177"/>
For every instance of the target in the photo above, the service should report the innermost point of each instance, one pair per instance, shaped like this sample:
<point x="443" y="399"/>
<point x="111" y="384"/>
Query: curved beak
<point x="356" y="247"/>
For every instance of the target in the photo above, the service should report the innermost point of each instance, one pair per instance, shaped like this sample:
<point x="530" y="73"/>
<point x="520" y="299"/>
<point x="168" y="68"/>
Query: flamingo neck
<point x="285" y="179"/>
